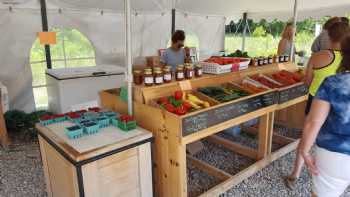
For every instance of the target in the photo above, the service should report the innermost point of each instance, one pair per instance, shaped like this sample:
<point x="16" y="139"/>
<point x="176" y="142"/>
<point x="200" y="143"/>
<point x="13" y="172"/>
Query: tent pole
<point x="128" y="46"/>
<point x="45" y="27"/>
<point x="295" y="18"/>
<point x="245" y="22"/>
<point x="173" y="21"/>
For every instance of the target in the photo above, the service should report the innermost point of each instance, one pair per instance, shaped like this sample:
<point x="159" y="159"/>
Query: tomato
<point x="163" y="101"/>
<point x="178" y="95"/>
<point x="170" y="108"/>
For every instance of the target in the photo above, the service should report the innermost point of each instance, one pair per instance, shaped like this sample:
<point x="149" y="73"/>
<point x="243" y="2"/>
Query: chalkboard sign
<point x="292" y="93"/>
<point x="218" y="115"/>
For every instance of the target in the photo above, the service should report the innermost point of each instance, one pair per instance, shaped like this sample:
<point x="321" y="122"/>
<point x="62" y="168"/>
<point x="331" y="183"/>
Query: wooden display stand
<point x="172" y="133"/>
<point x="119" y="169"/>
<point x="3" y="131"/>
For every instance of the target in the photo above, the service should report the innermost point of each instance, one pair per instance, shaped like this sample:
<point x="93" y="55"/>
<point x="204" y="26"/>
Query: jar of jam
<point x="189" y="72"/>
<point x="260" y="61"/>
<point x="198" y="70"/>
<point x="281" y="58"/>
<point x="255" y="61"/>
<point x="138" y="79"/>
<point x="167" y="76"/>
<point x="286" y="58"/>
<point x="155" y="69"/>
<point x="266" y="60"/>
<point x="179" y="74"/>
<point x="275" y="59"/>
<point x="148" y="78"/>
<point x="158" y="77"/>
<point x="270" y="60"/>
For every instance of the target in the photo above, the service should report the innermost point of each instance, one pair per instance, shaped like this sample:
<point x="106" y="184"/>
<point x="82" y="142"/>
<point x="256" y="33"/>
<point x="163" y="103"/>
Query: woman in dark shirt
<point x="328" y="123"/>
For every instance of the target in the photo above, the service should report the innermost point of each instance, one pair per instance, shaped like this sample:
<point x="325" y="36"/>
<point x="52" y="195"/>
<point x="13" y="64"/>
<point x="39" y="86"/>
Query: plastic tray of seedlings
<point x="91" y="128"/>
<point x="46" y="120"/>
<point x="59" y="118"/>
<point x="103" y="121"/>
<point x="127" y="126"/>
<point x="74" y="132"/>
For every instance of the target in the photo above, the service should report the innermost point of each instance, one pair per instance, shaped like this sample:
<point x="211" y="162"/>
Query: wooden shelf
<point x="172" y="133"/>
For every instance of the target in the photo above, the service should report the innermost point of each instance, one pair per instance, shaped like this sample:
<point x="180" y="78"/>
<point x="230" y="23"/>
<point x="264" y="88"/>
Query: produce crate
<point x="215" y="68"/>
<point x="127" y="126"/>
<point x="91" y="128"/>
<point x="91" y="115"/>
<point x="224" y="92"/>
<point x="74" y="132"/>
<point x="194" y="105"/>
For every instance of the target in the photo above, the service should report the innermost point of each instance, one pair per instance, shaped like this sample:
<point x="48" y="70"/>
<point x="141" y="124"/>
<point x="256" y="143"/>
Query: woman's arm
<point x="314" y="121"/>
<point x="281" y="47"/>
<point x="309" y="75"/>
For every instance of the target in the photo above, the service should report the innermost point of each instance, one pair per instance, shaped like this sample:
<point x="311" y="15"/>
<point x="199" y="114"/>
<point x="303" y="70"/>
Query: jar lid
<point x="198" y="66"/>
<point x="148" y="72"/>
<point x="156" y="68"/>
<point x="158" y="72"/>
<point x="166" y="69"/>
<point x="137" y="71"/>
<point x="148" y="69"/>
<point x="179" y="68"/>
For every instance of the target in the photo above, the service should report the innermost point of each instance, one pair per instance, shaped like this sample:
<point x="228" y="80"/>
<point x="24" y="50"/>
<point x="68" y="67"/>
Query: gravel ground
<point x="21" y="172"/>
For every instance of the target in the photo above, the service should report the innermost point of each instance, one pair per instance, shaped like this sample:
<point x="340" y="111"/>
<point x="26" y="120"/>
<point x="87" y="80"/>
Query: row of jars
<point x="158" y="75"/>
<point x="259" y="61"/>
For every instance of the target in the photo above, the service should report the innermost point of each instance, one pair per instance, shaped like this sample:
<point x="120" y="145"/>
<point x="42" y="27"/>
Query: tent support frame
<point x="128" y="45"/>
<point x="245" y="25"/>
<point x="295" y="18"/>
<point x="45" y="27"/>
<point x="173" y="20"/>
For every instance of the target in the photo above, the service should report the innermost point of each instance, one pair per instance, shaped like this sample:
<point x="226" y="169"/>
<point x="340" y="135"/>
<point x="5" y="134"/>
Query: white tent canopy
<point x="102" y="22"/>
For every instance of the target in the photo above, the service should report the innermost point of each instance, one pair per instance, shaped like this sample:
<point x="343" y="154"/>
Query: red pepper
<point x="163" y="101"/>
<point x="178" y="95"/>
<point x="180" y="110"/>
<point x="186" y="105"/>
<point x="170" y="108"/>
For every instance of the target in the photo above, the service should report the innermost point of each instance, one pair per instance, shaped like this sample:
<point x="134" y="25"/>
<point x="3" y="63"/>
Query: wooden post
<point x="177" y="158"/>
<point x="264" y="133"/>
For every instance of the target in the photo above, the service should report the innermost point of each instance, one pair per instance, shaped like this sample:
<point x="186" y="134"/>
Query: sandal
<point x="290" y="182"/>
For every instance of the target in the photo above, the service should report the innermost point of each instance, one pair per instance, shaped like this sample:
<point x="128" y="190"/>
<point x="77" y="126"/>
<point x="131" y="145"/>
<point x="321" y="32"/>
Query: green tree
<point x="259" y="32"/>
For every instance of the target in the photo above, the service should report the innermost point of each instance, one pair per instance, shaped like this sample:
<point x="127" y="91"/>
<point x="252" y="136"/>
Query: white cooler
<point x="4" y="98"/>
<point x="72" y="88"/>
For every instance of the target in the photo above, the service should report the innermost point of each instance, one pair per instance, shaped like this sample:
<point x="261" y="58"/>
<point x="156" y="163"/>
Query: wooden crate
<point x="120" y="169"/>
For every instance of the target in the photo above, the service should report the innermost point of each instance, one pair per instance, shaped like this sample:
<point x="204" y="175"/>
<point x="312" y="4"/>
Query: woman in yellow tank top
<point x="321" y="65"/>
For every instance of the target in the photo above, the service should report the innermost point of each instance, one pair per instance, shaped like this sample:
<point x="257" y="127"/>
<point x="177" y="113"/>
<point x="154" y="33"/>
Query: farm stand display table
<point x="109" y="163"/>
<point x="174" y="132"/>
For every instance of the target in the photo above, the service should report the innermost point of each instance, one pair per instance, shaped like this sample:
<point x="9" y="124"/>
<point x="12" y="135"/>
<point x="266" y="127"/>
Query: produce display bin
<point x="174" y="132"/>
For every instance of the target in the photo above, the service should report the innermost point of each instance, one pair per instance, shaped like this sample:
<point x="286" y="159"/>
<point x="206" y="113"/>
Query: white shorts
<point x="334" y="173"/>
